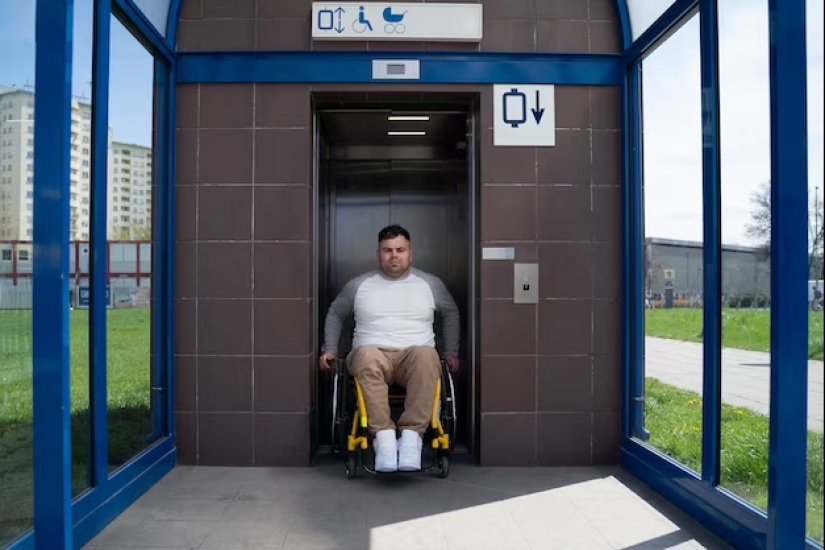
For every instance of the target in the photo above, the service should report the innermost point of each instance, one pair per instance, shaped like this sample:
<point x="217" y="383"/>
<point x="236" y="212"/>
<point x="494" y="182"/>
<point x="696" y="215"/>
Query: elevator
<point x="407" y="164"/>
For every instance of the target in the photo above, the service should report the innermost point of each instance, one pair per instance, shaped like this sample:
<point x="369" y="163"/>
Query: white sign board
<point x="524" y="116"/>
<point x="397" y="21"/>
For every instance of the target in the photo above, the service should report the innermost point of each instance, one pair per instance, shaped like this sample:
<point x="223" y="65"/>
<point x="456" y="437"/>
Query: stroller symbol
<point x="394" y="24"/>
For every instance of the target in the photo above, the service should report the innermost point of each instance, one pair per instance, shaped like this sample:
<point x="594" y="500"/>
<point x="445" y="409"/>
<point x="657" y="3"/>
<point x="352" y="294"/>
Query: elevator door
<point x="429" y="198"/>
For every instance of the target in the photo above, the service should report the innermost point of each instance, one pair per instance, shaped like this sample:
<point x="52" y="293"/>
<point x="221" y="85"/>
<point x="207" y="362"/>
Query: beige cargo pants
<point x="417" y="369"/>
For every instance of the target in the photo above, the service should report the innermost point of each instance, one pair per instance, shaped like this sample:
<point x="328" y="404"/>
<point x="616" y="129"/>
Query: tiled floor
<point x="473" y="509"/>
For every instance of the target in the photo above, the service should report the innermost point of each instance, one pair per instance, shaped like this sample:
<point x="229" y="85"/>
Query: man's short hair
<point x="391" y="232"/>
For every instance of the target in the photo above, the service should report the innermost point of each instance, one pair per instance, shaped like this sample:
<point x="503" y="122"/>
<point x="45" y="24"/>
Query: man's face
<point x="394" y="256"/>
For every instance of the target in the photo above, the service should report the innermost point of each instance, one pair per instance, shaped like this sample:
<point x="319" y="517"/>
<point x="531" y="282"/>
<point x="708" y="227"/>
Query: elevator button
<point x="526" y="277"/>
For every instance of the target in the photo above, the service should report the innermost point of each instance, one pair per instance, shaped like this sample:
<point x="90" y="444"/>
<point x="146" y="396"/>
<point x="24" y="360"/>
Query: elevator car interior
<point x="406" y="164"/>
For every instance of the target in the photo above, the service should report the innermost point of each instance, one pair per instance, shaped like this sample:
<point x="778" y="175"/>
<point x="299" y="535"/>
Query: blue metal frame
<point x="634" y="341"/>
<point x="127" y="11"/>
<point x="161" y="161"/>
<point x="61" y="523"/>
<point x="97" y="508"/>
<point x="712" y="246"/>
<point x="98" y="406"/>
<point x="735" y="520"/>
<point x="50" y="281"/>
<point x="668" y="23"/>
<point x="787" y="471"/>
<point x="169" y="267"/>
<point x="172" y="24"/>
<point x="623" y="19"/>
<point x="436" y="67"/>
<point x="627" y="263"/>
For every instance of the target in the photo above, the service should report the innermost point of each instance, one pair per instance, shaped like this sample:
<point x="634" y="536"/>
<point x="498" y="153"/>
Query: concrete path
<point x="473" y="509"/>
<point x="745" y="375"/>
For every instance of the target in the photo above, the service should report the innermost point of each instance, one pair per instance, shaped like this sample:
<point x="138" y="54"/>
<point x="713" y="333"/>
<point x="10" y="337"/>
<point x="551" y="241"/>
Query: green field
<point x="674" y="419"/>
<point x="741" y="328"/>
<point x="128" y="403"/>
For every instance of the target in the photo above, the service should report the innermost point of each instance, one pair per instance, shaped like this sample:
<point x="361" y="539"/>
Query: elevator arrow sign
<point x="513" y="106"/>
<point x="538" y="112"/>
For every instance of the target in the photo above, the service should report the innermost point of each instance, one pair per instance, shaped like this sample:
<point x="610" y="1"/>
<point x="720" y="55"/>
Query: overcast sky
<point x="673" y="124"/>
<point x="673" y="140"/>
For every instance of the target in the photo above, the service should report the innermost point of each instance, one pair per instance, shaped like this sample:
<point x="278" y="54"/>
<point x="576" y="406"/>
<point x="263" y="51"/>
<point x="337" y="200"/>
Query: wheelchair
<point x="351" y="438"/>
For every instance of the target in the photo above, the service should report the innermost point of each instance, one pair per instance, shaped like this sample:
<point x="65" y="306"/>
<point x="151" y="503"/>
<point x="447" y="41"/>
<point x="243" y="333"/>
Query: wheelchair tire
<point x="443" y="466"/>
<point x="352" y="466"/>
<point x="343" y="402"/>
<point x="448" y="416"/>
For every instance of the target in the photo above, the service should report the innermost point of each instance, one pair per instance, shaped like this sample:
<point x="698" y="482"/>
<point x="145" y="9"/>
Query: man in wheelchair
<point x="394" y="343"/>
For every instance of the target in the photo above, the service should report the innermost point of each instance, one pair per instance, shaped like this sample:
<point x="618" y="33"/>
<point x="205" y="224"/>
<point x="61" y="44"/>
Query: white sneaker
<point x="409" y="451"/>
<point x="386" y="451"/>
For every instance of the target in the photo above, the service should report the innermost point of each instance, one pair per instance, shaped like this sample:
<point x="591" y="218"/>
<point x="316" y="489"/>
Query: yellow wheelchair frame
<point x="438" y="435"/>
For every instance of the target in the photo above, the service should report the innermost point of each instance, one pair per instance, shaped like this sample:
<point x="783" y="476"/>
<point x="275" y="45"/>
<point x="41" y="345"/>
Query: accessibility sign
<point x="524" y="115"/>
<point x="443" y="22"/>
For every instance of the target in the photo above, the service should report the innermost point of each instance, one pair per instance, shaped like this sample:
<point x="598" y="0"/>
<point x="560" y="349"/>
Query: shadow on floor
<point x="474" y="508"/>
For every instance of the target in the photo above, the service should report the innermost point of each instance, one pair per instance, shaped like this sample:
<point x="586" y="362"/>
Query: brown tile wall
<point x="549" y="373"/>
<point x="243" y="331"/>
<point x="561" y="26"/>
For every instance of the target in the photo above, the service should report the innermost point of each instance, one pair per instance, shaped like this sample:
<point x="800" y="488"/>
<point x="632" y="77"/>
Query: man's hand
<point x="326" y="361"/>
<point x="453" y="363"/>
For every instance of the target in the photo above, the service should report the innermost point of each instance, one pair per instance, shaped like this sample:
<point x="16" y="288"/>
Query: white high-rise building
<point x="16" y="164"/>
<point x="130" y="192"/>
<point x="129" y="181"/>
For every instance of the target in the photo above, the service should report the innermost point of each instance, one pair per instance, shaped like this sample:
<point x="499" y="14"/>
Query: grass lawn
<point x="741" y="328"/>
<point x="674" y="419"/>
<point x="128" y="403"/>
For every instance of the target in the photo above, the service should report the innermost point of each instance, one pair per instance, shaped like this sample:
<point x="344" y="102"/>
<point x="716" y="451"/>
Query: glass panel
<point x="129" y="321"/>
<point x="16" y="211"/>
<point x="156" y="11"/>
<point x="746" y="277"/>
<point x="643" y="13"/>
<point x="80" y="178"/>
<point x="672" y="191"/>
<point x="816" y="166"/>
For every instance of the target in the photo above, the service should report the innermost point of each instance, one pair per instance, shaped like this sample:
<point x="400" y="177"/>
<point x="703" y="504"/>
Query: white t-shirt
<point x="393" y="313"/>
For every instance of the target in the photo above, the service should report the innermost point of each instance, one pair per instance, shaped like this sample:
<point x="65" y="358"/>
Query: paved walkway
<point x="745" y="375"/>
<point x="474" y="509"/>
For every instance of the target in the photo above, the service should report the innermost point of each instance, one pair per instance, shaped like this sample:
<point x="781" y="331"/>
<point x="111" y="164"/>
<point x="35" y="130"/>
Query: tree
<point x="759" y="229"/>
<point x="141" y="233"/>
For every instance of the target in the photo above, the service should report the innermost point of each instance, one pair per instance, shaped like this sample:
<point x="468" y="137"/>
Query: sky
<point x="672" y="104"/>
<point x="672" y="113"/>
<point x="130" y="73"/>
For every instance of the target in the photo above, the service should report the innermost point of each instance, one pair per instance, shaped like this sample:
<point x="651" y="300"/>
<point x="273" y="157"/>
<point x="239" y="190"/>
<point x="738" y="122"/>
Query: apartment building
<point x="129" y="181"/>
<point x="130" y="192"/>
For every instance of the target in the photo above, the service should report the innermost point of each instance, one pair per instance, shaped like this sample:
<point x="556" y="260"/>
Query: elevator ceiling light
<point x="408" y="117"/>
<point x="406" y="133"/>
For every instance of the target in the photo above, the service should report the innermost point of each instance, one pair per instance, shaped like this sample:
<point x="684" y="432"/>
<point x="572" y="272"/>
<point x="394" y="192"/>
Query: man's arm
<point x="339" y="311"/>
<point x="450" y="318"/>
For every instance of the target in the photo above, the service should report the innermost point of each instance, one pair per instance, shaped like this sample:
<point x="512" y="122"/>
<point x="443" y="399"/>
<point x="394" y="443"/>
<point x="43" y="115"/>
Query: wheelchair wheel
<point x="443" y="466"/>
<point x="342" y="407"/>
<point x="448" y="414"/>
<point x="352" y="466"/>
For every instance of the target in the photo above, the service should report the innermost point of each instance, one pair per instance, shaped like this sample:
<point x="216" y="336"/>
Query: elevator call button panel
<point x="526" y="283"/>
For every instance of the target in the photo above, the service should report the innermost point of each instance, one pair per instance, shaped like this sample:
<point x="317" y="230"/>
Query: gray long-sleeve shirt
<point x="394" y="313"/>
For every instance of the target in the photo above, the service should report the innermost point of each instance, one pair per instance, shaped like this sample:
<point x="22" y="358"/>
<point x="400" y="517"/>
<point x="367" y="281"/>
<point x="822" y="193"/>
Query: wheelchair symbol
<point x="394" y="24"/>
<point x="362" y="23"/>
